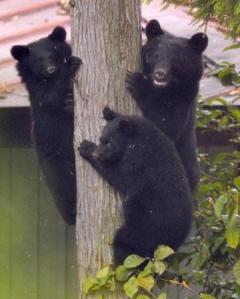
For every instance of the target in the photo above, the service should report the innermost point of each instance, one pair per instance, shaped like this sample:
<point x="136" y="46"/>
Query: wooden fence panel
<point x="24" y="224"/>
<point x="51" y="247"/>
<point x="37" y="250"/>
<point x="5" y="227"/>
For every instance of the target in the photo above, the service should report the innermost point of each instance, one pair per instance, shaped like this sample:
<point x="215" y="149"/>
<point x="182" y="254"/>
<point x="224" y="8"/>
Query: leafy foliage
<point x="225" y="119"/>
<point x="137" y="275"/>
<point x="215" y="256"/>
<point x="226" y="13"/>
<point x="227" y="73"/>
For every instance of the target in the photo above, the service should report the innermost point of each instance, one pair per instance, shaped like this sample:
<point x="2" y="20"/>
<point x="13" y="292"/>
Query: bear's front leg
<point x="72" y="65"/>
<point x="86" y="150"/>
<point x="59" y="92"/>
<point x="137" y="85"/>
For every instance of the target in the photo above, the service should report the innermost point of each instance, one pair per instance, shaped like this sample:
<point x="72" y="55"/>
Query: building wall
<point x="37" y="250"/>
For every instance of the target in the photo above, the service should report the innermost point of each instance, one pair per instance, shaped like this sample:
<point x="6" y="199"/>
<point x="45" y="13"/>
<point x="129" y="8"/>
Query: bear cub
<point x="47" y="69"/>
<point x="141" y="162"/>
<point x="167" y="88"/>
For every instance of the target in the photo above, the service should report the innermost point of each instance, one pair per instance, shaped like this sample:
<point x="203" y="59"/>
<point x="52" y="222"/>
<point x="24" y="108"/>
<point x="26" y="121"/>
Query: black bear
<point x="167" y="89"/>
<point x="141" y="162"/>
<point x="47" y="69"/>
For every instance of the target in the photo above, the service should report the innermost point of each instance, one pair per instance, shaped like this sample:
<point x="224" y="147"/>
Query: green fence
<point x="37" y="250"/>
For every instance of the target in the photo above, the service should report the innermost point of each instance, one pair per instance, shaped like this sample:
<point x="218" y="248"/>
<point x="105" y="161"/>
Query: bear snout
<point x="160" y="77"/>
<point x="51" y="69"/>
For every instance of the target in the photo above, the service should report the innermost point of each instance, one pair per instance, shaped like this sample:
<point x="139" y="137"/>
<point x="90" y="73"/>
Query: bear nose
<point x="51" y="69"/>
<point x="160" y="74"/>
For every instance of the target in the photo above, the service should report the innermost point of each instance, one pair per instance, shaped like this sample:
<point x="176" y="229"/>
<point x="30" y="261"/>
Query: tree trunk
<point x="106" y="36"/>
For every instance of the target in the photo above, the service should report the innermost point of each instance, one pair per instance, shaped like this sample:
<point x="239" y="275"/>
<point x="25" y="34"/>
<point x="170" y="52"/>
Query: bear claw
<point x="86" y="148"/>
<point x="73" y="63"/>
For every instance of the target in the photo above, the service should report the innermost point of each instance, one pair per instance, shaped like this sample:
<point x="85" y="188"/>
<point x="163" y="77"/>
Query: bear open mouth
<point x="159" y="83"/>
<point x="159" y="78"/>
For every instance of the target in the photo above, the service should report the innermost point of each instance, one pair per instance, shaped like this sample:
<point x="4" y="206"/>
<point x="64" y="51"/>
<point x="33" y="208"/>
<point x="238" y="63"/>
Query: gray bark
<point x="106" y="36"/>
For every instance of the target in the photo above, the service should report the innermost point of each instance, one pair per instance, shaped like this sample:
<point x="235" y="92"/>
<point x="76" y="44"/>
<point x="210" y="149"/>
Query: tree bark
<point x="106" y="36"/>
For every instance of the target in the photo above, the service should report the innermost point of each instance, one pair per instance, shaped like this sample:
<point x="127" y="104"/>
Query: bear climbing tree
<point x="167" y="88"/>
<point x="106" y="35"/>
<point x="47" y="69"/>
<point x="142" y="163"/>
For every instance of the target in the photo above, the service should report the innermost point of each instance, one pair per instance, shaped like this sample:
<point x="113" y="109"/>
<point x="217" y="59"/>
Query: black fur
<point x="167" y="89"/>
<point x="141" y="162"/>
<point x="47" y="69"/>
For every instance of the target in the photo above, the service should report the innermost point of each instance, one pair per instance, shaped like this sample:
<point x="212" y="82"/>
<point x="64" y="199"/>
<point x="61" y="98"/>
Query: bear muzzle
<point x="159" y="78"/>
<point x="51" y="70"/>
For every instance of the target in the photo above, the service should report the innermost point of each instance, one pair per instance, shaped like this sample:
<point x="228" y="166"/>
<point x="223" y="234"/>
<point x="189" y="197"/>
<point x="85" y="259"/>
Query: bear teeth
<point x="159" y="83"/>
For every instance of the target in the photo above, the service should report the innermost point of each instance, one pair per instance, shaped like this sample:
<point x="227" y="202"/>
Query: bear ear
<point x="127" y="128"/>
<point x="153" y="29"/>
<point x="199" y="42"/>
<point x="109" y="114"/>
<point x="58" y="35"/>
<point x="19" y="52"/>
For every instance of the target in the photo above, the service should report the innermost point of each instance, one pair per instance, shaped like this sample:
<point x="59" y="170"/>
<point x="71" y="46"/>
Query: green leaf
<point x="219" y="100"/>
<point x="206" y="296"/>
<point x="143" y="297"/>
<point x="146" y="282"/>
<point x="219" y="204"/>
<point x="131" y="287"/>
<point x="111" y="284"/>
<point x="90" y="284"/>
<point x="224" y="121"/>
<point x="237" y="288"/>
<point x="162" y="296"/>
<point x="103" y="273"/>
<point x="236" y="272"/>
<point x="232" y="47"/>
<point x="237" y="182"/>
<point x="122" y="273"/>
<point x="235" y="113"/>
<point x="159" y="267"/>
<point x="132" y="261"/>
<point x="232" y="236"/>
<point x="204" y="188"/>
<point x="200" y="258"/>
<point x="162" y="252"/>
<point x="148" y="269"/>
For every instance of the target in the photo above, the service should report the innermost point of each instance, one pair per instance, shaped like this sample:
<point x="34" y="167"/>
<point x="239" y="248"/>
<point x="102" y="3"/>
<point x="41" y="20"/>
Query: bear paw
<point x="135" y="82"/>
<point x="72" y="64"/>
<point x="86" y="149"/>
